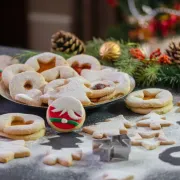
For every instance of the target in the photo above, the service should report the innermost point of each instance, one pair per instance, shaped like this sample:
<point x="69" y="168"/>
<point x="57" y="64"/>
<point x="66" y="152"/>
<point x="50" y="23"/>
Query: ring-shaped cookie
<point x="12" y="70"/>
<point x="23" y="82"/>
<point x="21" y="124"/>
<point x="46" y="61"/>
<point x="160" y="110"/>
<point x="83" y="61"/>
<point x="149" y="98"/>
<point x="60" y="72"/>
<point x="101" y="89"/>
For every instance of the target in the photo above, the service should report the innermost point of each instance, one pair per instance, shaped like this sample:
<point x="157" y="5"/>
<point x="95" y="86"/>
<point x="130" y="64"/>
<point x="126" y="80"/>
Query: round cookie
<point x="21" y="126"/>
<point x="26" y="81"/>
<point x="83" y="61"/>
<point x="149" y="98"/>
<point x="66" y="114"/>
<point x="12" y="70"/>
<point x="46" y="61"/>
<point x="161" y="110"/>
<point x="28" y="123"/>
<point x="101" y="89"/>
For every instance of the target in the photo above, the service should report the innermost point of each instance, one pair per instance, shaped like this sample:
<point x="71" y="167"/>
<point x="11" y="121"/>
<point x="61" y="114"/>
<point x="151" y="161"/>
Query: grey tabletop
<point x="32" y="168"/>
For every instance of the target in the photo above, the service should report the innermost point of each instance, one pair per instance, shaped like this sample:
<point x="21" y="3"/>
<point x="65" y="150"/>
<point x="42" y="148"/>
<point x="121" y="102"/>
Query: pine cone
<point x="174" y="52"/>
<point x="66" y="42"/>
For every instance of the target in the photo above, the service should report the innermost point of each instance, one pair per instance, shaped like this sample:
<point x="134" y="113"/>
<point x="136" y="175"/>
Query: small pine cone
<point x="66" y="42"/>
<point x="174" y="52"/>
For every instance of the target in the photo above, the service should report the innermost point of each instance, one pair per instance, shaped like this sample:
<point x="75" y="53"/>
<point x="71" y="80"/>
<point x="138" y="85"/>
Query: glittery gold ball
<point x="110" y="51"/>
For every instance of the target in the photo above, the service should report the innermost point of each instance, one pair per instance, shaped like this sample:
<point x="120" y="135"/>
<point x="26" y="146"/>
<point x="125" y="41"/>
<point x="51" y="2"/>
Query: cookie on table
<point x="66" y="114"/>
<point x="154" y="121"/>
<point x="46" y="61"/>
<point x="83" y="61"/>
<point x="12" y="70"/>
<point x="63" y="157"/>
<point x="112" y="126"/>
<point x="21" y="126"/>
<point x="10" y="150"/>
<point x="150" y="100"/>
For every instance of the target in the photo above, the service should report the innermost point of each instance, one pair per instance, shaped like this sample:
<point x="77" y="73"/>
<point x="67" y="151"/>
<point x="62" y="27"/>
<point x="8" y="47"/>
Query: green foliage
<point x="23" y="57"/>
<point x="147" y="75"/>
<point x="169" y="76"/>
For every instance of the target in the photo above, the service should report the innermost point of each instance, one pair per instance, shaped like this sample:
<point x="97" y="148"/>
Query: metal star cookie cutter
<point x="114" y="147"/>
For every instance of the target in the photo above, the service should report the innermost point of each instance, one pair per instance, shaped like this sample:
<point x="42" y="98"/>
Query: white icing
<point x="70" y="105"/>
<point x="64" y="120"/>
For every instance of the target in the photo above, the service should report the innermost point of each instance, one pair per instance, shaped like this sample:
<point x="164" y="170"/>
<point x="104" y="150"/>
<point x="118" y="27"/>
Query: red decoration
<point x="137" y="53"/>
<point x="112" y="3"/>
<point x="60" y="125"/>
<point x="164" y="59"/>
<point x="155" y="54"/>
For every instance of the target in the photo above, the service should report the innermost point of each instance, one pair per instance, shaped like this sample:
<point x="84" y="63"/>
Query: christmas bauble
<point x="66" y="114"/>
<point x="110" y="51"/>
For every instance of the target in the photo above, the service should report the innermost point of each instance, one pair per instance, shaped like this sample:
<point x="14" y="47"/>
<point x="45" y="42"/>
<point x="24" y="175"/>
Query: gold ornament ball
<point x="110" y="51"/>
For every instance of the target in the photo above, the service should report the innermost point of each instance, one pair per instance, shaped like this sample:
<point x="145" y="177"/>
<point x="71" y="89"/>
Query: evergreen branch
<point x="147" y="75"/>
<point x="169" y="75"/>
<point x="23" y="57"/>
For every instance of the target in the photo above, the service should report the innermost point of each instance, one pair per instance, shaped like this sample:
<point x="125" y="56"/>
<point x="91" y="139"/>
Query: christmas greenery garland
<point x="147" y="73"/>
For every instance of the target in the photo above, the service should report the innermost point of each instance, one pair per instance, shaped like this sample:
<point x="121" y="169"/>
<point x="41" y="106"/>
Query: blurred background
<point x="31" y="23"/>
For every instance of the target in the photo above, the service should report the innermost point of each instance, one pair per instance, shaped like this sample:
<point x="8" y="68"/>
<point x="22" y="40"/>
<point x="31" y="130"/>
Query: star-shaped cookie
<point x="63" y="157"/>
<point x="112" y="126"/>
<point x="154" y="121"/>
<point x="10" y="150"/>
<point x="152" y="143"/>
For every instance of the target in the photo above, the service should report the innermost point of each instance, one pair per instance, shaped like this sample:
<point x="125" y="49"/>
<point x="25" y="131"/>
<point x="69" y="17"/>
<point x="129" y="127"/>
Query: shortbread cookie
<point x="30" y="137"/>
<point x="46" y="61"/>
<point x="26" y="81"/>
<point x="83" y="61"/>
<point x="146" y="132"/>
<point x="20" y="124"/>
<point x="66" y="114"/>
<point x="149" y="98"/>
<point x="60" y="72"/>
<point x="32" y="97"/>
<point x="154" y="121"/>
<point x="162" y="110"/>
<point x="12" y="70"/>
<point x="102" y="88"/>
<point x="74" y="89"/>
<point x="63" y="157"/>
<point x="10" y="150"/>
<point x="112" y="126"/>
<point x="152" y="143"/>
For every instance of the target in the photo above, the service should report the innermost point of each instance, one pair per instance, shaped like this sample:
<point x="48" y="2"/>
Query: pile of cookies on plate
<point x="46" y="77"/>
